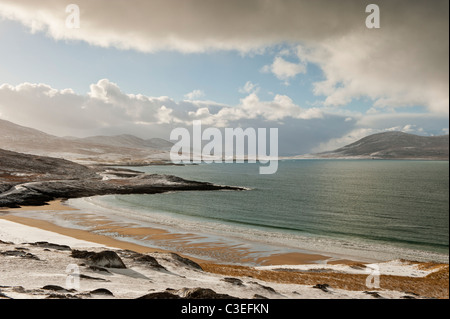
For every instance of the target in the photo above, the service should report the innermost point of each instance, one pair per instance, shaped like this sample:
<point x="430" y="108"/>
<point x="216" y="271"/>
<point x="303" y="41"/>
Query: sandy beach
<point x="185" y="242"/>
<point x="285" y="276"/>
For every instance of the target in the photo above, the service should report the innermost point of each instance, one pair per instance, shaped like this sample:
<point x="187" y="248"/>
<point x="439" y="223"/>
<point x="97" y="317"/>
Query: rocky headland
<point x="30" y="180"/>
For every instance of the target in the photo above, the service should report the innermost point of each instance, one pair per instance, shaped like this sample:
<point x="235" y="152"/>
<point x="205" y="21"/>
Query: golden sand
<point x="183" y="242"/>
<point x="435" y="285"/>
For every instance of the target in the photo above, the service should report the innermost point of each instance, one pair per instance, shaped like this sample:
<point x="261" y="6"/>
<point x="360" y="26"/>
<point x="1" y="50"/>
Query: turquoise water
<point x="366" y="208"/>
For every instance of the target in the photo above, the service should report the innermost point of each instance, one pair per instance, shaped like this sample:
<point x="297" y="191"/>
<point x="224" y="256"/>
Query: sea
<point x="373" y="210"/>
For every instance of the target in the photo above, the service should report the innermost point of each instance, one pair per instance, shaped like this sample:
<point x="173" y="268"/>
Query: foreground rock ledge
<point x="39" y="270"/>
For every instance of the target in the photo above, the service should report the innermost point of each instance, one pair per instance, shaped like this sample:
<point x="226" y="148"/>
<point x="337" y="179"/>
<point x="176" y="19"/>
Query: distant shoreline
<point x="305" y="157"/>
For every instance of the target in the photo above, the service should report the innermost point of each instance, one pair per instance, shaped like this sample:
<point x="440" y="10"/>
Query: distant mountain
<point x="117" y="150"/>
<point x="394" y="145"/>
<point x="15" y="133"/>
<point x="131" y="141"/>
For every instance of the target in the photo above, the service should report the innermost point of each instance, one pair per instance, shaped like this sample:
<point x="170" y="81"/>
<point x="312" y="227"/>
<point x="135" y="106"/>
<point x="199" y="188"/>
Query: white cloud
<point x="105" y="106"/>
<point x="411" y="128"/>
<point x="404" y="63"/>
<point x="63" y="112"/>
<point x="194" y="95"/>
<point x="187" y="25"/>
<point x="249" y="87"/>
<point x="391" y="70"/>
<point x="106" y="109"/>
<point x="284" y="70"/>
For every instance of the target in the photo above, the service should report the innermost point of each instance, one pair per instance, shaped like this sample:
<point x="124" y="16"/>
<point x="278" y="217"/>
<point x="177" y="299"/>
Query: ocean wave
<point x="122" y="211"/>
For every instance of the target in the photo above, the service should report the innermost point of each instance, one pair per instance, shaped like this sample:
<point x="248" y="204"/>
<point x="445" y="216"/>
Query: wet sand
<point x="434" y="285"/>
<point x="186" y="244"/>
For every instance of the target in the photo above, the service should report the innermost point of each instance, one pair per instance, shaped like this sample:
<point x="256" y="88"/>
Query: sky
<point x="312" y="69"/>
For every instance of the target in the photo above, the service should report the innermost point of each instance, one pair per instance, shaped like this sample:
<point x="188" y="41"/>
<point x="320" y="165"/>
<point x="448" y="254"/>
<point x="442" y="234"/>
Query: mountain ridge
<point x="117" y="150"/>
<point x="393" y="145"/>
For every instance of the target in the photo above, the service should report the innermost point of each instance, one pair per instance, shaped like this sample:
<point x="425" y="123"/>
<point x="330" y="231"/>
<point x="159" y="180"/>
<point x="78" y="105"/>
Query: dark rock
<point x="45" y="244"/>
<point x="92" y="278"/>
<point x="99" y="269"/>
<point x="83" y="254"/>
<point x="107" y="258"/>
<point x="3" y="296"/>
<point x="150" y="262"/>
<point x="256" y="296"/>
<point x="56" y="288"/>
<point x="205" y="293"/>
<point x="187" y="293"/>
<point x="62" y="296"/>
<point x="19" y="289"/>
<point x="160" y="295"/>
<point x="101" y="291"/>
<point x="323" y="287"/>
<point x="19" y="253"/>
<point x="270" y="289"/>
<point x="233" y="281"/>
<point x="374" y="294"/>
<point x="31" y="256"/>
<point x="186" y="261"/>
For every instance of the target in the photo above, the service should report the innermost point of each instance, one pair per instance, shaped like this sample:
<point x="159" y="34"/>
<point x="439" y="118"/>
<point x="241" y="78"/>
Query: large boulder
<point x="203" y="293"/>
<point x="107" y="258"/>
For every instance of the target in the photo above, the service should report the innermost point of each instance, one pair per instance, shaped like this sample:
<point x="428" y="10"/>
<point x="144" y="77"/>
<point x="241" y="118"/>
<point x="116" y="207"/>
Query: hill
<point x="111" y="150"/>
<point x="126" y="140"/>
<point x="394" y="145"/>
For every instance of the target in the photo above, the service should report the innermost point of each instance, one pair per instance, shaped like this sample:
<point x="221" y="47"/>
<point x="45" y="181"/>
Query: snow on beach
<point x="393" y="268"/>
<point x="18" y="233"/>
<point x="35" y="263"/>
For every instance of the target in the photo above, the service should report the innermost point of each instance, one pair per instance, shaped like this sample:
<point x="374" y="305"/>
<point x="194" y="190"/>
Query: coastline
<point x="240" y="254"/>
<point x="291" y="276"/>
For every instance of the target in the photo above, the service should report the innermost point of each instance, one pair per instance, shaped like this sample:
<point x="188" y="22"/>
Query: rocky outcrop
<point x="181" y="261"/>
<point x="107" y="259"/>
<point x="48" y="245"/>
<point x="188" y="293"/>
<point x="202" y="293"/>
<point x="102" y="292"/>
<point x="160" y="295"/>
<point x="323" y="287"/>
<point x="28" y="180"/>
<point x="48" y="277"/>
<point x="233" y="281"/>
